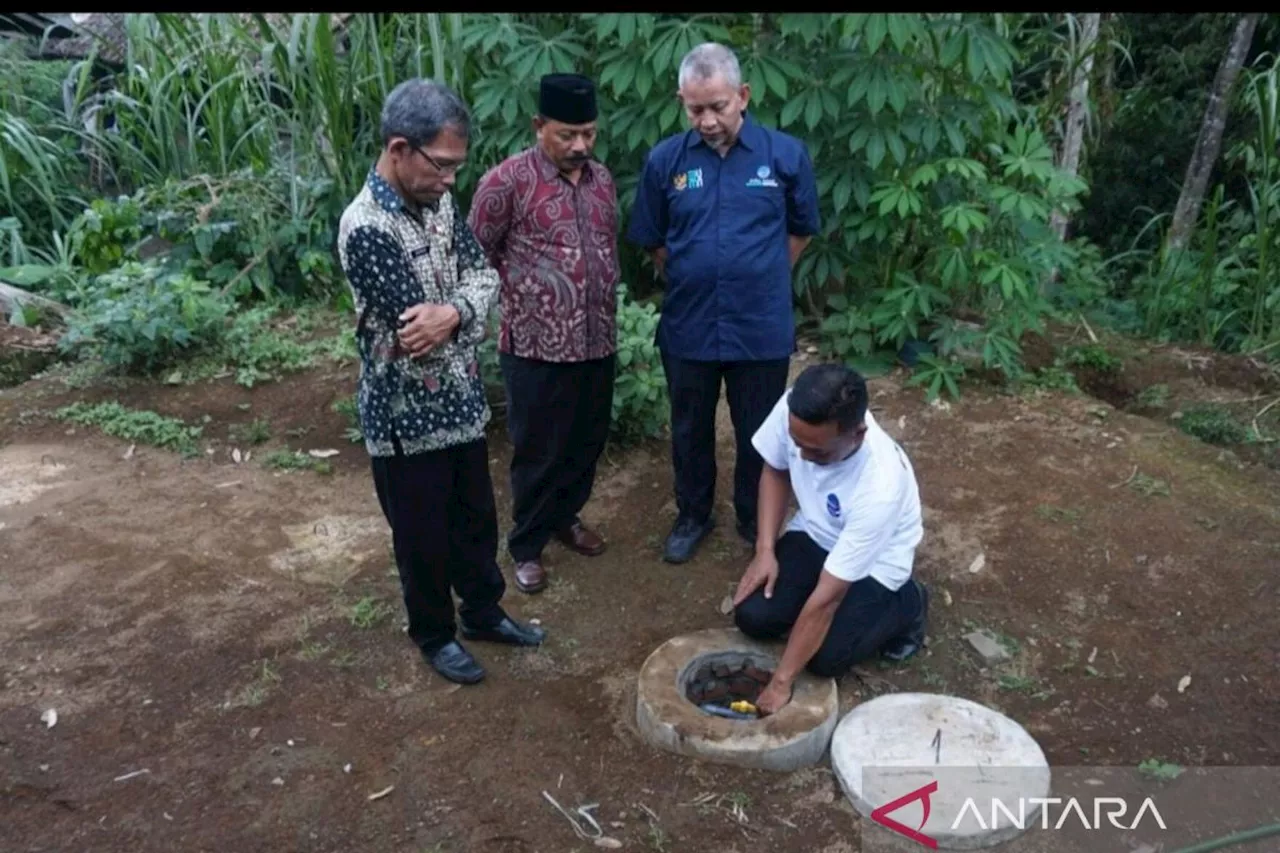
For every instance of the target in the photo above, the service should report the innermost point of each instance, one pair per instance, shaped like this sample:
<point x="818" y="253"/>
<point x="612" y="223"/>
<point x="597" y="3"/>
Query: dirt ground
<point x="232" y="635"/>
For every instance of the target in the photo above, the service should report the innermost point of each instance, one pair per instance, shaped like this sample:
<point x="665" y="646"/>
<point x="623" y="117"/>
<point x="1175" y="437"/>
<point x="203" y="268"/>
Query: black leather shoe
<point x="684" y="539"/>
<point x="508" y="631"/>
<point x="901" y="648"/>
<point x="455" y="663"/>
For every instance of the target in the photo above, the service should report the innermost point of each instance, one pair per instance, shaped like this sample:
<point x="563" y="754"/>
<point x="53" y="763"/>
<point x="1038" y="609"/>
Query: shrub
<point x="141" y="317"/>
<point x="640" y="407"/>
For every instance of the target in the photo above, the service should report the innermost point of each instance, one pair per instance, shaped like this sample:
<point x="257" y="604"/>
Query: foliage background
<point x="207" y="174"/>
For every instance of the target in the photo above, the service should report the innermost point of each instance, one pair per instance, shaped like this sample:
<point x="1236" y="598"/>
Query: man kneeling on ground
<point x="839" y="578"/>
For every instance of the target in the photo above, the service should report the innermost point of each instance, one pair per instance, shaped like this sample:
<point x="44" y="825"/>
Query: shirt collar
<point x="386" y="196"/>
<point x="748" y="135"/>
<point x="548" y="170"/>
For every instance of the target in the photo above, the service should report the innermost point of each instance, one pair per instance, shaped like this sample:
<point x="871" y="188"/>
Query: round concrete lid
<point x="941" y="767"/>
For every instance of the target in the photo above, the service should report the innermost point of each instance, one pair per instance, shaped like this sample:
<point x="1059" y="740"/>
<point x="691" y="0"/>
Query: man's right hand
<point x="763" y="569"/>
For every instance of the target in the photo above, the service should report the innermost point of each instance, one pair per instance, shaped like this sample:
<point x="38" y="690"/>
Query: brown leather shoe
<point x="531" y="577"/>
<point x="578" y="537"/>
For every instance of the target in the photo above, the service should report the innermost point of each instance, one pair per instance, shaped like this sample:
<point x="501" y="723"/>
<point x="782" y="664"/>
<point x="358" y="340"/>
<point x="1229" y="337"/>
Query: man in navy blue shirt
<point x="725" y="208"/>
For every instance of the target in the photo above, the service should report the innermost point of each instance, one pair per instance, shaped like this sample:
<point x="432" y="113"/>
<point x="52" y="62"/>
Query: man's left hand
<point x="774" y="697"/>
<point x="427" y="326"/>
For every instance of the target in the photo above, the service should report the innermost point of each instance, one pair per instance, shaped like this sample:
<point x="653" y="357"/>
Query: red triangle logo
<point x="881" y="817"/>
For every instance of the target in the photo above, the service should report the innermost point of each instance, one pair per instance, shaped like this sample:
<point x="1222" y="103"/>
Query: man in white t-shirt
<point x="839" y="577"/>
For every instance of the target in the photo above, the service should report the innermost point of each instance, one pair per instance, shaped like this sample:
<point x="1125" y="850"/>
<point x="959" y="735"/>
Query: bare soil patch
<point x="236" y="632"/>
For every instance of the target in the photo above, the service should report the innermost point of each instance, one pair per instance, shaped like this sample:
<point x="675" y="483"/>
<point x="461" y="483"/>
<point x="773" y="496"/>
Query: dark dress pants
<point x="752" y="388"/>
<point x="869" y="616"/>
<point x="558" y="417"/>
<point x="444" y="529"/>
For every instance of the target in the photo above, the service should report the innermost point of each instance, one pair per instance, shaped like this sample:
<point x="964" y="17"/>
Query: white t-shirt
<point x="865" y="511"/>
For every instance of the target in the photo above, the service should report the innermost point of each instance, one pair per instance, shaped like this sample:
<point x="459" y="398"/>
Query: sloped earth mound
<point x="223" y="641"/>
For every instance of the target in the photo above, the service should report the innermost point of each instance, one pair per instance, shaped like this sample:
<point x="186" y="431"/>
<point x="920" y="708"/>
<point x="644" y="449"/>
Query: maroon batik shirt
<point x="555" y="246"/>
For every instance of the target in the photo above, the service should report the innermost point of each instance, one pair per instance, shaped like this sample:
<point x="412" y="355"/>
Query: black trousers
<point x="753" y="388"/>
<point x="444" y="528"/>
<point x="558" y="417"/>
<point x="868" y="617"/>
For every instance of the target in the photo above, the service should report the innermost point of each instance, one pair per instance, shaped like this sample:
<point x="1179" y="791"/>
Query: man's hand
<point x="763" y="569"/>
<point x="426" y="327"/>
<point x="774" y="697"/>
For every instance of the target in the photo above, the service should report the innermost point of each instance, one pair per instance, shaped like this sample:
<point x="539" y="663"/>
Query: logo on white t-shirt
<point x="833" y="505"/>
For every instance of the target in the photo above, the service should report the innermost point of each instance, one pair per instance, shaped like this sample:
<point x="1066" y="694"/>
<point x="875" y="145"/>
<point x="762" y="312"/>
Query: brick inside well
<point x="729" y="681"/>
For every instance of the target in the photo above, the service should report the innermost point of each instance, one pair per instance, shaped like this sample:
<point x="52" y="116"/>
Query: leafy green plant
<point x="1153" y="397"/>
<point x="105" y="234"/>
<point x="1162" y="771"/>
<point x="134" y="425"/>
<point x="1093" y="356"/>
<point x="935" y="374"/>
<point x="140" y="317"/>
<point x="640" y="405"/>
<point x="1212" y="423"/>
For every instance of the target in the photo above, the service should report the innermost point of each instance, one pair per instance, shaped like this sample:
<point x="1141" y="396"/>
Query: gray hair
<point x="709" y="60"/>
<point x="418" y="109"/>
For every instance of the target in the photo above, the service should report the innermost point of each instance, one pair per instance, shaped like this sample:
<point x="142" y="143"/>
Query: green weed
<point x="134" y="425"/>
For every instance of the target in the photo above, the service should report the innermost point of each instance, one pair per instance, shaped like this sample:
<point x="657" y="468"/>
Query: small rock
<point x="346" y="768"/>
<point x="1184" y="683"/>
<point x="254" y="732"/>
<point x="726" y="606"/>
<point x="979" y="562"/>
<point x="608" y="843"/>
<point x="277" y="781"/>
<point x="986" y="646"/>
<point x="1158" y="702"/>
<point x="812" y="350"/>
<point x="535" y="621"/>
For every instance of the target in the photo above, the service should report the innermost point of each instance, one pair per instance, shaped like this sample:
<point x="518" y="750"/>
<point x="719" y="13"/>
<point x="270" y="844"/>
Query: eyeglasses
<point x="444" y="168"/>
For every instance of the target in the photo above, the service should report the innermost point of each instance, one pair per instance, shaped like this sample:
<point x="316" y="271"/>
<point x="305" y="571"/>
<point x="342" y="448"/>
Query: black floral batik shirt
<point x="393" y="261"/>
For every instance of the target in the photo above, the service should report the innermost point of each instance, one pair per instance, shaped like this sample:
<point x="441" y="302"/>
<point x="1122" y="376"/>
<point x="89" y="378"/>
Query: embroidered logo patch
<point x="762" y="178"/>
<point x="691" y="179"/>
<point x="833" y="506"/>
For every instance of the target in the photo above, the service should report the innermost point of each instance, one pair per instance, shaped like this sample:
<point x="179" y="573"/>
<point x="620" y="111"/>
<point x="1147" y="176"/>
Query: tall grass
<point x="1223" y="290"/>
<point x="217" y="94"/>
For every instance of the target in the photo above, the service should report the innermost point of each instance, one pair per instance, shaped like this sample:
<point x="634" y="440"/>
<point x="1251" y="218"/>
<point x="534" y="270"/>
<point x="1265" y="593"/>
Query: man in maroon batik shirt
<point x="547" y="217"/>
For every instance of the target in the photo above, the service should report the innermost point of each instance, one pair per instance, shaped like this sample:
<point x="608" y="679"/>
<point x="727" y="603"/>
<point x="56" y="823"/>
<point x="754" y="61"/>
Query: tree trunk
<point x="1209" y="141"/>
<point x="1077" y="106"/>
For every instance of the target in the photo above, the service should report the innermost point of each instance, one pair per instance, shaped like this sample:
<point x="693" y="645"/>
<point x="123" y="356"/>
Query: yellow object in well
<point x="743" y="707"/>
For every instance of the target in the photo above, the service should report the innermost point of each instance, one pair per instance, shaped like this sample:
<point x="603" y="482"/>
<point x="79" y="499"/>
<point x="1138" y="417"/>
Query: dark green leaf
<point x="877" y="28"/>
<point x="626" y="29"/>
<point x="777" y="83"/>
<point x="790" y="110"/>
<point x="813" y="109"/>
<point x="875" y="149"/>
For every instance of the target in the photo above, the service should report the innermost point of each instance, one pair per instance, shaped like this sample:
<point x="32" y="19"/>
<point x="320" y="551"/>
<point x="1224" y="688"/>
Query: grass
<point x="134" y="425"/>
<point x="368" y="612"/>
<point x="255" y="693"/>
<point x="1057" y="514"/>
<point x="295" y="460"/>
<point x="255" y="432"/>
